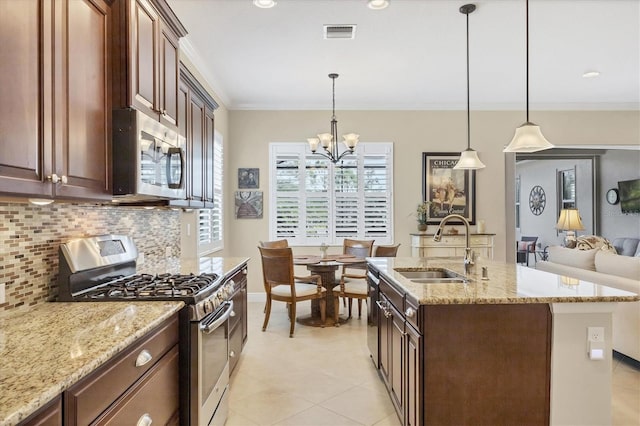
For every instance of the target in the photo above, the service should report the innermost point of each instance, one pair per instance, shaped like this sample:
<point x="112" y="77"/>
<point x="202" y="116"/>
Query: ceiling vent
<point x="339" y="31"/>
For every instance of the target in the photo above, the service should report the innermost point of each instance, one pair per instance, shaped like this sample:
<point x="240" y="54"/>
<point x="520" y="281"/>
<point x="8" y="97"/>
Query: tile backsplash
<point x="30" y="236"/>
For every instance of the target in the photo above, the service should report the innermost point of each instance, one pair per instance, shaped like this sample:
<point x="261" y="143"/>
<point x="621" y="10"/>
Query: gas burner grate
<point x="148" y="286"/>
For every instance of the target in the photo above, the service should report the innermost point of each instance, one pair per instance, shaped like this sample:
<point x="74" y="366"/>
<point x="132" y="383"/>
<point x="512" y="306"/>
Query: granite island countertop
<point x="49" y="347"/>
<point x="507" y="284"/>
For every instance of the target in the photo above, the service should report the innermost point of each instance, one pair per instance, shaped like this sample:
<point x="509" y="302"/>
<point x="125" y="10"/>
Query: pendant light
<point x="528" y="137"/>
<point x="468" y="158"/>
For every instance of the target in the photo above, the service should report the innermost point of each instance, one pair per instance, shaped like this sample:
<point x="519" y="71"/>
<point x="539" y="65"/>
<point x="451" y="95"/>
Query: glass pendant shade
<point x="313" y="144"/>
<point x="528" y="138"/>
<point x="350" y="140"/>
<point x="325" y="139"/>
<point x="469" y="161"/>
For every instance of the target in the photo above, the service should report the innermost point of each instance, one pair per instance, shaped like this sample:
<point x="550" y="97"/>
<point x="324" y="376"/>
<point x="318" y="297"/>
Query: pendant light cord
<point x="527" y="37"/>
<point x="468" y="104"/>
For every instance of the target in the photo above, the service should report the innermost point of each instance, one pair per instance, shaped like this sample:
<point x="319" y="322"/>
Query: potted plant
<point x="422" y="213"/>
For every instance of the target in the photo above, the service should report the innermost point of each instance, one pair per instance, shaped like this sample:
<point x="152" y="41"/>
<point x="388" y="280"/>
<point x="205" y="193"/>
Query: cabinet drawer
<point x="394" y="296"/>
<point x="412" y="317"/>
<point x="479" y="240"/>
<point x="85" y="400"/>
<point x="155" y="396"/>
<point x="49" y="415"/>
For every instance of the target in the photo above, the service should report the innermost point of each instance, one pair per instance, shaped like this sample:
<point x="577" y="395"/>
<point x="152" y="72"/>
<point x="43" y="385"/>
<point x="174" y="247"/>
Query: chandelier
<point x="329" y="141"/>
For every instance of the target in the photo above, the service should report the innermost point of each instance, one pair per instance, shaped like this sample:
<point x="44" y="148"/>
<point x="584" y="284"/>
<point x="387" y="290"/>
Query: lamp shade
<point x="569" y="220"/>
<point x="469" y="161"/>
<point x="528" y="138"/>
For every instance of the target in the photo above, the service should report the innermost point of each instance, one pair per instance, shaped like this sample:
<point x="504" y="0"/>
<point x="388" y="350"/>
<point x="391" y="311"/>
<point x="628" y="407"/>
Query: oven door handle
<point x="208" y="328"/>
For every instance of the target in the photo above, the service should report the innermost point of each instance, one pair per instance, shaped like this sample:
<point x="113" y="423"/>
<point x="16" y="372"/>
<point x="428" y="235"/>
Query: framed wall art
<point x="248" y="204"/>
<point x="248" y="178"/>
<point x="448" y="190"/>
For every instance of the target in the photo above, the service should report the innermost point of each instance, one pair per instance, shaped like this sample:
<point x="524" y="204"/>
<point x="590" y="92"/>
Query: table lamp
<point x="570" y="221"/>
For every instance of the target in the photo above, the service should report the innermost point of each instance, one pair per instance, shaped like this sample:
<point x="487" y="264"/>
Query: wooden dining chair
<point x="281" y="285"/>
<point x="274" y="244"/>
<point x="386" y="251"/>
<point x="353" y="281"/>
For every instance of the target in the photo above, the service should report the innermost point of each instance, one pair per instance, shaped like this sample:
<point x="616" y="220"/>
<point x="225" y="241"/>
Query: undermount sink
<point x="431" y="276"/>
<point x="439" y="280"/>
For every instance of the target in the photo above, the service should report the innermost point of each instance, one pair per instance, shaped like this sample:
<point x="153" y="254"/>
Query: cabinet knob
<point x="232" y="354"/>
<point x="54" y="178"/>
<point x="232" y="314"/>
<point x="244" y="271"/>
<point x="144" y="420"/>
<point x="410" y="312"/>
<point x="143" y="358"/>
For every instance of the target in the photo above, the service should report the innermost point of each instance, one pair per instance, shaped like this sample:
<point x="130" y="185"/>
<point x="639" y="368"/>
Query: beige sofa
<point x="613" y="270"/>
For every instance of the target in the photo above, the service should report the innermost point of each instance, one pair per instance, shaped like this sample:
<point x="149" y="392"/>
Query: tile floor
<point x="325" y="377"/>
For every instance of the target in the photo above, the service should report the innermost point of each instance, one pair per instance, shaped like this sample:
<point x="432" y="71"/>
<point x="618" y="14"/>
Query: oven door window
<point x="214" y="357"/>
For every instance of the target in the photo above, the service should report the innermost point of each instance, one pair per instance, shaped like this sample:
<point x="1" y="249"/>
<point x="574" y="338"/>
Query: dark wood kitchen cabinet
<point x="48" y="415"/>
<point x="238" y="322"/>
<point x="55" y="108"/>
<point x="146" y="59"/>
<point x="137" y="386"/>
<point x="196" y="122"/>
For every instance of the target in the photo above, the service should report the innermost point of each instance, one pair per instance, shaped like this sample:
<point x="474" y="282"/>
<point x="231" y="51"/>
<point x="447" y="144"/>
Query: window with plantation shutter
<point x="313" y="201"/>
<point x="210" y="221"/>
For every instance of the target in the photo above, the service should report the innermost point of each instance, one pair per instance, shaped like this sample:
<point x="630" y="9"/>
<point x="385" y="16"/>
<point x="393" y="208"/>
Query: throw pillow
<point x="583" y="259"/>
<point x="523" y="245"/>
<point x="621" y="266"/>
<point x="590" y="242"/>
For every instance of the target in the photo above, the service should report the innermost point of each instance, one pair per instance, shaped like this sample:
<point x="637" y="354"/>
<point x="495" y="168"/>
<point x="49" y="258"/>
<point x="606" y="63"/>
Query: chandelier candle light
<point x="528" y="137"/>
<point x="469" y="158"/>
<point x="329" y="141"/>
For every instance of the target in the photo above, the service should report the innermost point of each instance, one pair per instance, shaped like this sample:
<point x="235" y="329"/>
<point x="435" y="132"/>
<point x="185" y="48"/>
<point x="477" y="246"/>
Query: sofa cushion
<point x="627" y="246"/>
<point x="583" y="259"/>
<point x="614" y="264"/>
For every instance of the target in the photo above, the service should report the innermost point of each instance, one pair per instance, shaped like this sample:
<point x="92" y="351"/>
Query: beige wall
<point x="412" y="133"/>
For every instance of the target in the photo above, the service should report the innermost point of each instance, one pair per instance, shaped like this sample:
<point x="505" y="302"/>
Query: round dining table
<point x="326" y="267"/>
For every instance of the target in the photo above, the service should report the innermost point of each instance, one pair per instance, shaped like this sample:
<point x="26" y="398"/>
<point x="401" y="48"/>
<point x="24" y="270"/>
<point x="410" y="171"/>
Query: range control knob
<point x="207" y="306"/>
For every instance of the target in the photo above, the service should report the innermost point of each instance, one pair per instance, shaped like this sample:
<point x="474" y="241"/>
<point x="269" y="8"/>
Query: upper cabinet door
<point x="25" y="102"/>
<point x="83" y="141"/>
<point x="144" y="62"/>
<point x="169" y="63"/>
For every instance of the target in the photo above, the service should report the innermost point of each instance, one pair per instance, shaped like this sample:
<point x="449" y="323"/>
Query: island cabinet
<point x="401" y="353"/>
<point x="138" y="386"/>
<point x="451" y="364"/>
<point x="196" y="123"/>
<point x="422" y="245"/>
<point x="55" y="108"/>
<point x="146" y="64"/>
<point x="238" y="321"/>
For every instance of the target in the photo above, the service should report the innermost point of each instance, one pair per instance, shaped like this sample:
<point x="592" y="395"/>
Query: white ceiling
<point x="412" y="55"/>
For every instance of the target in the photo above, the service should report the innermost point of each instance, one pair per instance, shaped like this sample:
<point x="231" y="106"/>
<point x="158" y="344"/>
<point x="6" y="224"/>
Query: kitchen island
<point x="510" y="349"/>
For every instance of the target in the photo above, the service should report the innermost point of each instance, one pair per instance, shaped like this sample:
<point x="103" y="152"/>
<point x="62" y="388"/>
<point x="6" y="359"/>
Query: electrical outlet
<point x="140" y="258"/>
<point x="595" y="334"/>
<point x="2" y="296"/>
<point x="167" y="251"/>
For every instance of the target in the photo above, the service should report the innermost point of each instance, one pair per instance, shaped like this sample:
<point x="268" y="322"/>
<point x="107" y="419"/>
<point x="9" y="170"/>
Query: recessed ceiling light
<point x="378" y="4"/>
<point x="264" y="4"/>
<point x="591" y="74"/>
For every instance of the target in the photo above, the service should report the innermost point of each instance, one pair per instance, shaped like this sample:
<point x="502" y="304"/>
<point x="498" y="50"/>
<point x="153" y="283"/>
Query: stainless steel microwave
<point x="148" y="158"/>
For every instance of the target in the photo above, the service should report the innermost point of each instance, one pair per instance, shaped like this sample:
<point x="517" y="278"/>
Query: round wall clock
<point x="537" y="200"/>
<point x="612" y="196"/>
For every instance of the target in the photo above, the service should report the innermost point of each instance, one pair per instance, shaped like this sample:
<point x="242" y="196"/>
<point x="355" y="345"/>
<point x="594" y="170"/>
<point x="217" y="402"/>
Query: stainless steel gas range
<point x="103" y="268"/>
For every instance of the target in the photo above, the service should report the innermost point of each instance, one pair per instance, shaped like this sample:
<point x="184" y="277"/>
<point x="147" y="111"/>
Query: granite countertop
<point x="507" y="284"/>
<point x="201" y="265"/>
<point x="49" y="347"/>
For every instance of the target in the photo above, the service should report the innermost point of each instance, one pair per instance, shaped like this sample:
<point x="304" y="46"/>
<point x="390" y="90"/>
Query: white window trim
<point x="302" y="149"/>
